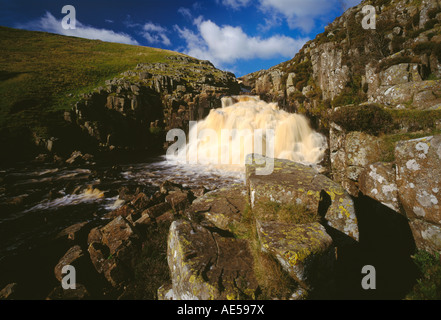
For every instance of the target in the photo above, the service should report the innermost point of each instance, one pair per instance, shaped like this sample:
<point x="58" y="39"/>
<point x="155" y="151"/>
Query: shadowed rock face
<point x="205" y="265"/>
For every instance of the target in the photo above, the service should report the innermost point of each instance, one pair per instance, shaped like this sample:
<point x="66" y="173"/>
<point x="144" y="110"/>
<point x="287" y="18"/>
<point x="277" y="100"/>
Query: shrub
<point x="371" y="119"/>
<point x="428" y="287"/>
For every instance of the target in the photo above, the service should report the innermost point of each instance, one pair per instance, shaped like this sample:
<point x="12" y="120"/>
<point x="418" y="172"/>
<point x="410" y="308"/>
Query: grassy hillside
<point x="41" y="75"/>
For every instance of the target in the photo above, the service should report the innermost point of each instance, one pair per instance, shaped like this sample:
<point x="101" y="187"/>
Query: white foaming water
<point x="244" y="117"/>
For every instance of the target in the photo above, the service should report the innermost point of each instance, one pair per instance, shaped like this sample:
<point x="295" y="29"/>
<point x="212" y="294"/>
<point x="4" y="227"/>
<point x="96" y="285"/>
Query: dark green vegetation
<point x="42" y="75"/>
<point x="375" y="119"/>
<point x="428" y="286"/>
<point x="151" y="271"/>
<point x="287" y="213"/>
<point x="273" y="280"/>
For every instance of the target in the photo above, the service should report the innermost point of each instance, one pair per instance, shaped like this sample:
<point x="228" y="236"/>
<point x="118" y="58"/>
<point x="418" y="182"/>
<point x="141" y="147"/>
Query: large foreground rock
<point x="299" y="184"/>
<point x="306" y="252"/>
<point x="419" y="187"/>
<point x="207" y="266"/>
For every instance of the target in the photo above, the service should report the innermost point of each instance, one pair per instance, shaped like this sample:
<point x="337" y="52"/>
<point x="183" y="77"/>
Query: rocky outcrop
<point x="378" y="181"/>
<point x="419" y="181"/>
<point x="207" y="266"/>
<point x="351" y="153"/>
<point x="346" y="64"/>
<point x="131" y="111"/>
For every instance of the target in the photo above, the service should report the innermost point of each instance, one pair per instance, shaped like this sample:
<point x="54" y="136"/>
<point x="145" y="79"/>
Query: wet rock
<point x="157" y="210"/>
<point x="419" y="185"/>
<point x="75" y="232"/>
<point x="8" y="292"/>
<point x="168" y="186"/>
<point x="206" y="266"/>
<point x="113" y="250"/>
<point x="73" y="257"/>
<point x="141" y="201"/>
<point x="79" y="293"/>
<point x="295" y="183"/>
<point x="179" y="200"/>
<point x="378" y="182"/>
<point x="124" y="211"/>
<point x="305" y="251"/>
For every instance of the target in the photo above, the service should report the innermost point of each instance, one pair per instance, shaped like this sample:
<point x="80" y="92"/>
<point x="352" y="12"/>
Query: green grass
<point x="42" y="74"/>
<point x="286" y="213"/>
<point x="428" y="286"/>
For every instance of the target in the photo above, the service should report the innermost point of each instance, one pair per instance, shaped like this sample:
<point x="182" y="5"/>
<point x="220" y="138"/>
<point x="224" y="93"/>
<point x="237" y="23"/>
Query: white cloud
<point x="49" y="23"/>
<point x="235" y="4"/>
<point x="154" y="33"/>
<point x="301" y="14"/>
<point x="185" y="12"/>
<point x="228" y="44"/>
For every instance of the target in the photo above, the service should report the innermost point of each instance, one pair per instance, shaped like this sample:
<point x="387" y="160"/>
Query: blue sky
<point x="241" y="36"/>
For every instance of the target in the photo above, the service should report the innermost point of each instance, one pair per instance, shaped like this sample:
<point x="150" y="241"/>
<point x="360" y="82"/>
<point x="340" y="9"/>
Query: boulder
<point x="75" y="232"/>
<point x="206" y="266"/>
<point x="305" y="251"/>
<point x="8" y="291"/>
<point x="419" y="187"/>
<point x="178" y="200"/>
<point x="294" y="183"/>
<point x="113" y="250"/>
<point x="377" y="181"/>
<point x="223" y="207"/>
<point x="79" y="293"/>
<point x="73" y="257"/>
<point x="157" y="210"/>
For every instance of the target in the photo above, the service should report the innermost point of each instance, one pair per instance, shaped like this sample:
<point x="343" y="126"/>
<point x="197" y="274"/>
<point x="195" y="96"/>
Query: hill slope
<point x="43" y="75"/>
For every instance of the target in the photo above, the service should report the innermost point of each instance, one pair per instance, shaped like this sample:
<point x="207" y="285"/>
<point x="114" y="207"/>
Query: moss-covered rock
<point x="305" y="251"/>
<point x="223" y="207"/>
<point x="419" y="187"/>
<point x="294" y="183"/>
<point x="207" y="266"/>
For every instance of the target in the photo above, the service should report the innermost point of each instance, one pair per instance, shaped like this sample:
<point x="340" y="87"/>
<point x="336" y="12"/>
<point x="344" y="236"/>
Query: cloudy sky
<point x="242" y="36"/>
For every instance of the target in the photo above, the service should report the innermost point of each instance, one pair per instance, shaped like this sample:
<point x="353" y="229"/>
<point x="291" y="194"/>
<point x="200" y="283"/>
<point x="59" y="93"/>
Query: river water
<point x="37" y="201"/>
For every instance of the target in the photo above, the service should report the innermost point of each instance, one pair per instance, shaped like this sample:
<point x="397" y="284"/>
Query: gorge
<point x="356" y="178"/>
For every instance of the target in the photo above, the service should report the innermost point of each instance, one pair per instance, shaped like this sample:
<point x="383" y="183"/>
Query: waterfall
<point x="232" y="132"/>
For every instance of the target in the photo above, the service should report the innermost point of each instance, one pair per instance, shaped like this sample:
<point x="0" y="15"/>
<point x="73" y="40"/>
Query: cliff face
<point x="348" y="64"/>
<point x="135" y="110"/>
<point x="374" y="92"/>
